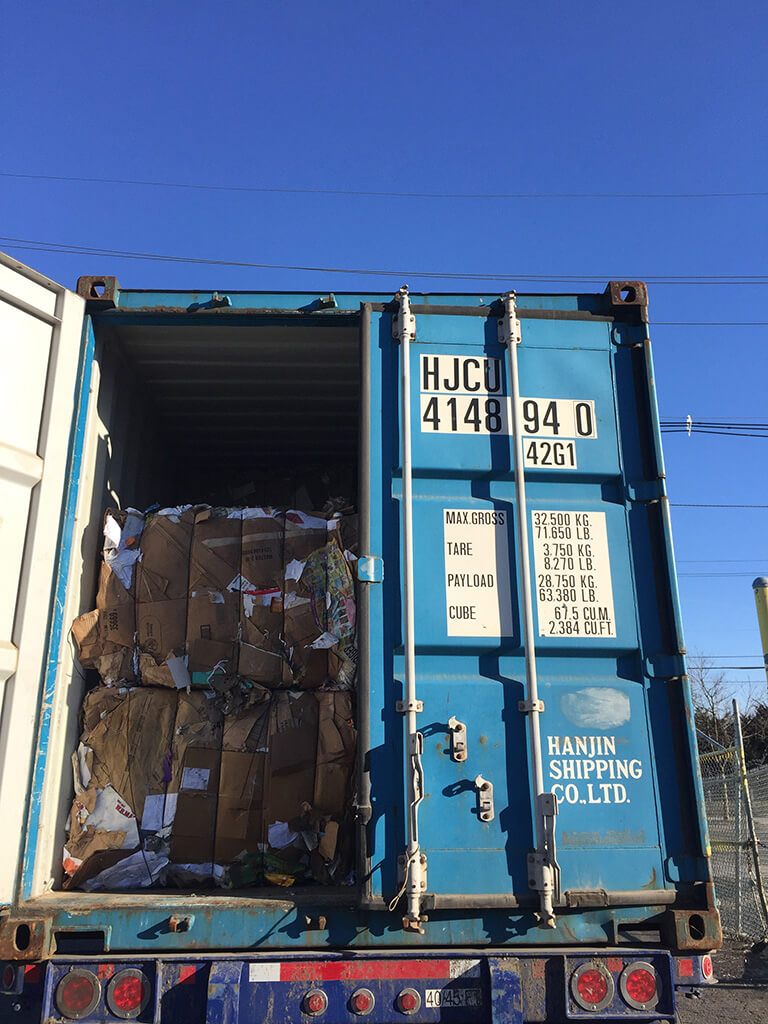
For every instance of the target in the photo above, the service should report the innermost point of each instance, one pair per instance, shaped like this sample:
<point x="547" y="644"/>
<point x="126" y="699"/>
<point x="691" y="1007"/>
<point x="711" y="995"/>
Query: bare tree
<point x="712" y="697"/>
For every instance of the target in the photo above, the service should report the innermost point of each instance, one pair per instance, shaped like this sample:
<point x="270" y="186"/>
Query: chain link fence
<point x="735" y="835"/>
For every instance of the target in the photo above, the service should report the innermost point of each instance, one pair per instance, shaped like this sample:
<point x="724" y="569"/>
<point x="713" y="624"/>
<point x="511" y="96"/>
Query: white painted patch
<point x="596" y="707"/>
<point x="464" y="969"/>
<point x="263" y="972"/>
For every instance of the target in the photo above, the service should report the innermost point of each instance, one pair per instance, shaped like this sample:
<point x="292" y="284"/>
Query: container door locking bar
<point x="543" y="869"/>
<point x="414" y="863"/>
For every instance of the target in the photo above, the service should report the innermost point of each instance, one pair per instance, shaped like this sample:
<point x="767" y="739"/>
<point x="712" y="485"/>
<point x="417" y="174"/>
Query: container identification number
<point x="465" y="395"/>
<point x="574" y="593"/>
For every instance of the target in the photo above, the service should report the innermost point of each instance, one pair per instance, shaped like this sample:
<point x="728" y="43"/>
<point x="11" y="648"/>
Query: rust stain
<point x="483" y="739"/>
<point x="651" y="884"/>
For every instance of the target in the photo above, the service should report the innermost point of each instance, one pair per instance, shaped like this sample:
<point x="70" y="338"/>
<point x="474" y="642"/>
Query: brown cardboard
<point x="215" y="552"/>
<point x="239" y="817"/>
<point x="131" y="742"/>
<point x="194" y="826"/>
<point x="162" y="574"/>
<point x="262" y="552"/>
<point x="161" y="627"/>
<point x="212" y="615"/>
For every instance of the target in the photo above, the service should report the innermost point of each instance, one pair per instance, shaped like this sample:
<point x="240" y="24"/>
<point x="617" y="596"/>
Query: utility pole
<point x="760" y="587"/>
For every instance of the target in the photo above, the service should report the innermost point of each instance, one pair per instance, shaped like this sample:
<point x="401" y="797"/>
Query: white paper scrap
<point x="294" y="569"/>
<point x="195" y="778"/>
<point x="280" y="835"/>
<point x="139" y="870"/>
<point x="113" y="814"/>
<point x="325" y="640"/>
<point x="159" y="811"/>
<point x="179" y="671"/>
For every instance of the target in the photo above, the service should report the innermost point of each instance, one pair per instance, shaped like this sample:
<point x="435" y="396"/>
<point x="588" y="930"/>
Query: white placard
<point x="263" y="972"/>
<point x="574" y="595"/>
<point x="477" y="577"/>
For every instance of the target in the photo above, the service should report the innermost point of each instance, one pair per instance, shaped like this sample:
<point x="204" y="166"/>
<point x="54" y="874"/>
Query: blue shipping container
<point x="528" y="794"/>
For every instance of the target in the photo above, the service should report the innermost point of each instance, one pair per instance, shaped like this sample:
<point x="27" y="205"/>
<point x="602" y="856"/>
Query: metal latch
<point x="485" y="811"/>
<point x="543" y="869"/>
<point x="458" y="739"/>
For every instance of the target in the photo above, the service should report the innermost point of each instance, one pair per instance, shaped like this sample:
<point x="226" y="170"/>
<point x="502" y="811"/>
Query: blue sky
<point x="433" y="97"/>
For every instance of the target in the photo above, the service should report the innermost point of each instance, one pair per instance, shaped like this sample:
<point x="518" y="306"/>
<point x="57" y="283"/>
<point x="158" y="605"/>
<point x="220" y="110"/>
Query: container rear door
<point x="40" y="341"/>
<point x="603" y="617"/>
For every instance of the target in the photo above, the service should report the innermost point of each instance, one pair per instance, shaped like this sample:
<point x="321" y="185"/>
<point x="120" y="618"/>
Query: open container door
<point x="483" y="790"/>
<point x="41" y="330"/>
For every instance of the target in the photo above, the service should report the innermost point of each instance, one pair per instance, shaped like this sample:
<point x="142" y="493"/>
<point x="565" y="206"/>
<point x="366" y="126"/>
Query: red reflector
<point x="685" y="968"/>
<point x="592" y="987"/>
<point x="9" y="976"/>
<point x="641" y="985"/>
<point x="105" y="970"/>
<point x="187" y="974"/>
<point x="706" y="966"/>
<point x="614" y="963"/>
<point x="128" y="993"/>
<point x="77" y="994"/>
<point x="32" y="974"/>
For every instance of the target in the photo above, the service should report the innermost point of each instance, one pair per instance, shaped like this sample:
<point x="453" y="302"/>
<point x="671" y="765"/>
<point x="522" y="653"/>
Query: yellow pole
<point x="760" y="587"/>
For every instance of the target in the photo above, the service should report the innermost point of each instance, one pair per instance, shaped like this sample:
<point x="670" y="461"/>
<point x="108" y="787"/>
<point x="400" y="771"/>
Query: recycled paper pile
<point x="221" y="747"/>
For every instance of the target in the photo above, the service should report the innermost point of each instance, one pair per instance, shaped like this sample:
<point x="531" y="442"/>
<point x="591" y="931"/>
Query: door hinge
<point x="404" y="322"/>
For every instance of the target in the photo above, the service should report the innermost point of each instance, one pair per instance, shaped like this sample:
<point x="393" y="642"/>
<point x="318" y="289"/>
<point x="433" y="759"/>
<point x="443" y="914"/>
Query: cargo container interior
<point x="221" y="412"/>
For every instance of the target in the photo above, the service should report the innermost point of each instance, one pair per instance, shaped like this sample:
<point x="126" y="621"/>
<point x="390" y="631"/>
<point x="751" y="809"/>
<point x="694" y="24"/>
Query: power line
<point x="715" y="433"/>
<point x="684" y="504"/>
<point x="382" y="195"/>
<point x="79" y="250"/>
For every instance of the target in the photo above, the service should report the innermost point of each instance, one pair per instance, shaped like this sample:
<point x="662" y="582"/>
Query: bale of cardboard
<point x="192" y="593"/>
<point x="170" y="790"/>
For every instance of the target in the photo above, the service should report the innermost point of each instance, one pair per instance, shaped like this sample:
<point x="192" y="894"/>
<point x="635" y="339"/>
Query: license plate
<point x="438" y="997"/>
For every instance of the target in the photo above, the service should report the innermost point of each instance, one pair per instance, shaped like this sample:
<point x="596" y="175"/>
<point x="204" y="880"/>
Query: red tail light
<point x="77" y="994"/>
<point x="592" y="986"/>
<point x="706" y="966"/>
<point x="639" y="985"/>
<point x="362" y="1001"/>
<point x="128" y="993"/>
